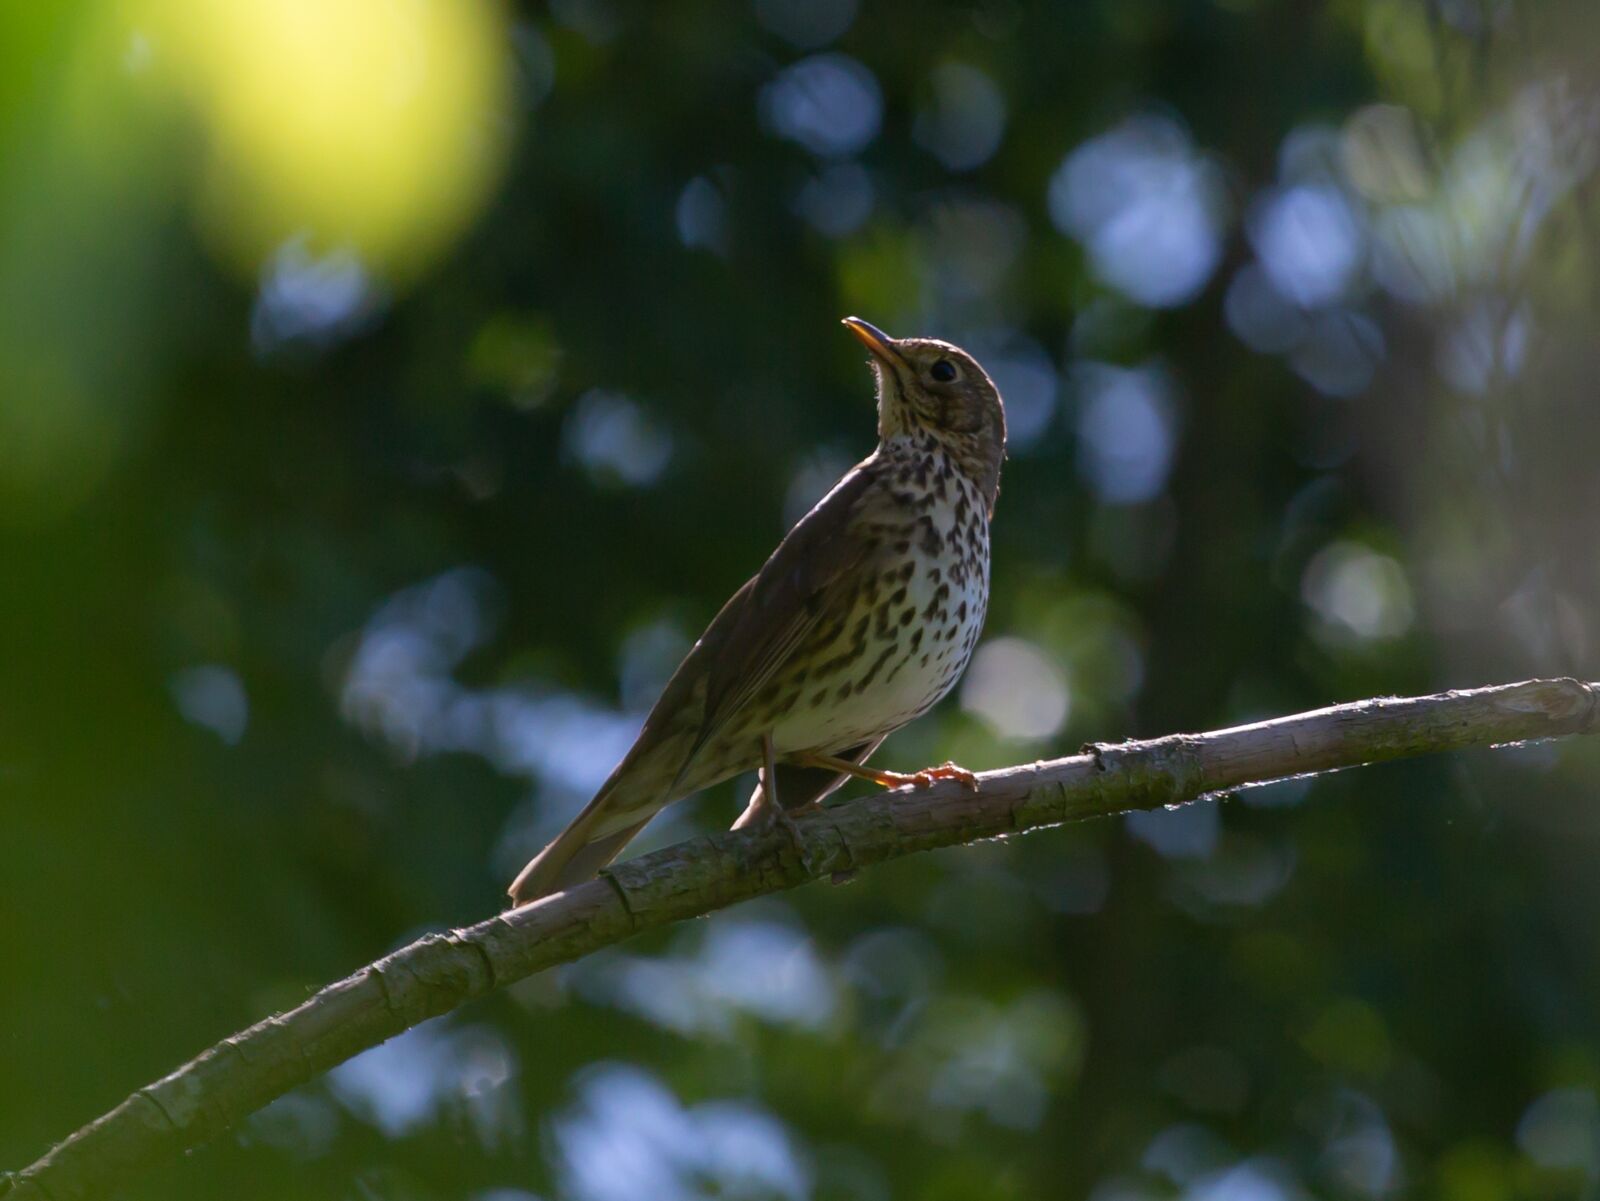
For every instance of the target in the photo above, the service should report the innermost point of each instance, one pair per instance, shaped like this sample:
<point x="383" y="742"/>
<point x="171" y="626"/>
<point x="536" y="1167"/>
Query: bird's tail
<point x="571" y="858"/>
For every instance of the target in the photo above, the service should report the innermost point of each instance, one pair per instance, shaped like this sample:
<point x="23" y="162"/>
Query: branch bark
<point x="441" y="972"/>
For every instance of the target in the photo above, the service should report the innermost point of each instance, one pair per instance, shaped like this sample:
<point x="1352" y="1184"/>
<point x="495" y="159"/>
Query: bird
<point x="862" y="619"/>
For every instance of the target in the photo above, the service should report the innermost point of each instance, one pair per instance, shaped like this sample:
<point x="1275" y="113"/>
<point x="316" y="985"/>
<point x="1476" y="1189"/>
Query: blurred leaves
<point x="355" y="128"/>
<point x="389" y="392"/>
<point x="362" y="125"/>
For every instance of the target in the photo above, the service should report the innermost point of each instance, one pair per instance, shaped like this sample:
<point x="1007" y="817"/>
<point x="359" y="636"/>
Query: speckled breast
<point x="913" y="622"/>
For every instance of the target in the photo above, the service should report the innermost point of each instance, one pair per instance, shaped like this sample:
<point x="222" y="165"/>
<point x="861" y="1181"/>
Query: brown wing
<point x="749" y="639"/>
<point x="770" y="617"/>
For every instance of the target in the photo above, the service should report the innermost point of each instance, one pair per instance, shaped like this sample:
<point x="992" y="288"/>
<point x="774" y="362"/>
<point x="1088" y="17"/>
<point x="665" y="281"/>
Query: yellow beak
<point x="875" y="340"/>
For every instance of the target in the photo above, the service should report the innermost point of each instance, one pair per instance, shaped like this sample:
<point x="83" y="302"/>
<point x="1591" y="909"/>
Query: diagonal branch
<point x="440" y="972"/>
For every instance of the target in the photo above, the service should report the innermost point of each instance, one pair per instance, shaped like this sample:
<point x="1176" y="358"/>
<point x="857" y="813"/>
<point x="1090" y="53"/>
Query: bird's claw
<point x="952" y="771"/>
<point x="928" y="776"/>
<point x="782" y="819"/>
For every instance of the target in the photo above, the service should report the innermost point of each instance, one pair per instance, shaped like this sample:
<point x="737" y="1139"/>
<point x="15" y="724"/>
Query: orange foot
<point x="886" y="779"/>
<point x="928" y="775"/>
<point x="949" y="771"/>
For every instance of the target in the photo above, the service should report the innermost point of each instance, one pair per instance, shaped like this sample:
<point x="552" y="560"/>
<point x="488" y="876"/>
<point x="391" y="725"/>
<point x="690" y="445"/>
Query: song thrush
<point x="861" y="620"/>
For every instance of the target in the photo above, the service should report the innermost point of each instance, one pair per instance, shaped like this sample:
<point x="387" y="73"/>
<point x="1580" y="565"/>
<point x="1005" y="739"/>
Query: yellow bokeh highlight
<point x="371" y="125"/>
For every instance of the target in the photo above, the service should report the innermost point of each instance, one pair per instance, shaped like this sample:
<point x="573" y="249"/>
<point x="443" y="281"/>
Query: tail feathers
<point x="569" y="860"/>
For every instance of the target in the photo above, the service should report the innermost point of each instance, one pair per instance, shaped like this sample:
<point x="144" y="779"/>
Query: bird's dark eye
<point x="944" y="371"/>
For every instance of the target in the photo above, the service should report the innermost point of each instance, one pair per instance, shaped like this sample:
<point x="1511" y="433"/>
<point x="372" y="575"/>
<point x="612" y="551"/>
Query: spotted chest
<point x="905" y="635"/>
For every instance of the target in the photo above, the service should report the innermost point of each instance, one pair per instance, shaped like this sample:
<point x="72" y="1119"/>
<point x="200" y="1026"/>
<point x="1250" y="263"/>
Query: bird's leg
<point x="884" y="779"/>
<point x="765" y="809"/>
<point x="776" y="813"/>
<point x="887" y="779"/>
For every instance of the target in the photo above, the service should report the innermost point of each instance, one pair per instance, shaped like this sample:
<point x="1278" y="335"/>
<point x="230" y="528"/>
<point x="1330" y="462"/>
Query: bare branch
<point x="441" y="972"/>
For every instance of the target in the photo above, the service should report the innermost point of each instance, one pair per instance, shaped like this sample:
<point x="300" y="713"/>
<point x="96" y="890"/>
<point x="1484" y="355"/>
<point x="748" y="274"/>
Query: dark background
<point x="389" y="393"/>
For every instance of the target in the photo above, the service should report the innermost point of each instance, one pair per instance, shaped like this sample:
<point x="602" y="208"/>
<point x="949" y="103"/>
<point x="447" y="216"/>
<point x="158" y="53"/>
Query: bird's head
<point x="932" y="389"/>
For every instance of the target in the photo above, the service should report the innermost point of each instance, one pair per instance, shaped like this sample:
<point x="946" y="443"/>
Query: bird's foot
<point x="899" y="779"/>
<point x="783" y="819"/>
<point x="779" y="818"/>
<point x="927" y="777"/>
<point x="888" y="779"/>
<point x="950" y="771"/>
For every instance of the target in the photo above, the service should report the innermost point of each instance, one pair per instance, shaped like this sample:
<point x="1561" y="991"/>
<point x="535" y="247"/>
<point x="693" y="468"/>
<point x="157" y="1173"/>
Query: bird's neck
<point x="962" y="452"/>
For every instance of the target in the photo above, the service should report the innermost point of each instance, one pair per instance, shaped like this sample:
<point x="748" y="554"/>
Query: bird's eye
<point x="944" y="371"/>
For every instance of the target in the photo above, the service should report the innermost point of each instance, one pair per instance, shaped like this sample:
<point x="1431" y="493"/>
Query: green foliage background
<point x="545" y="451"/>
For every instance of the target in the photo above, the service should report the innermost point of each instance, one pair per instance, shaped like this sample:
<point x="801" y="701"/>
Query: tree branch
<point x="441" y="972"/>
